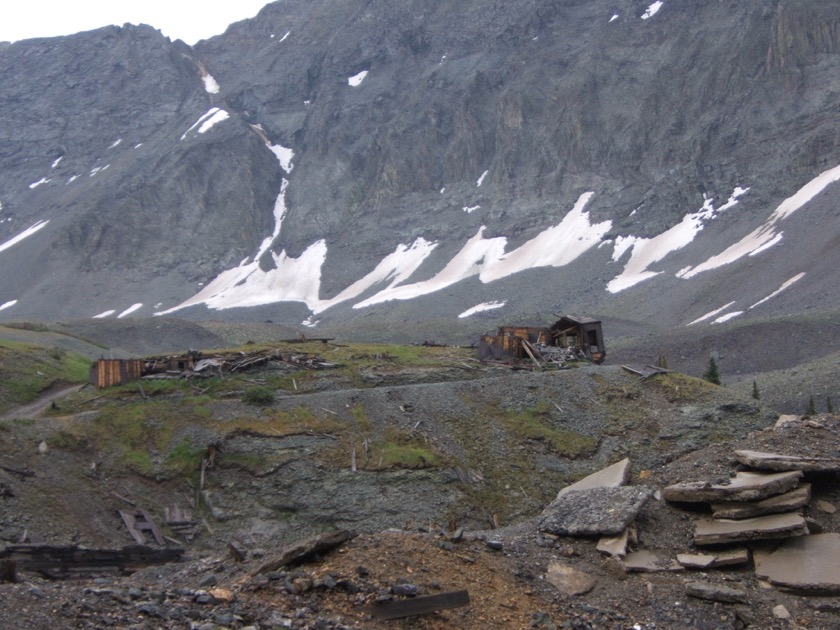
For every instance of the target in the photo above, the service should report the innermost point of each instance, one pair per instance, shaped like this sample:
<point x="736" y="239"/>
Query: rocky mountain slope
<point x="356" y="161"/>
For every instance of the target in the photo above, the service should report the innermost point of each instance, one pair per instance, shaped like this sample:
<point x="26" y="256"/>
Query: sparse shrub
<point x="812" y="408"/>
<point x="712" y="374"/>
<point x="662" y="362"/>
<point x="258" y="396"/>
<point x="829" y="406"/>
<point x="755" y="393"/>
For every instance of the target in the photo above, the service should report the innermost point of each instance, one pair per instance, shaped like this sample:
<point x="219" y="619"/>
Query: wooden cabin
<point x="109" y="372"/>
<point x="582" y="334"/>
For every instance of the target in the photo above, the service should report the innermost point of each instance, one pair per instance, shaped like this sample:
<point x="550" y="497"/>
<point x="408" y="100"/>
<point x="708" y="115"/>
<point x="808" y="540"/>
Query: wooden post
<point x="8" y="572"/>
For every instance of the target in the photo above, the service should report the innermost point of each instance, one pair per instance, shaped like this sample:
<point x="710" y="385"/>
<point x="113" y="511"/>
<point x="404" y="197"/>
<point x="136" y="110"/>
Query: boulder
<point x="610" y="477"/>
<point x="778" y="504"/>
<point x="776" y="461"/>
<point x="744" y="486"/>
<point x="720" y="531"/>
<point x="568" y="580"/>
<point x="594" y="512"/>
<point x="809" y="563"/>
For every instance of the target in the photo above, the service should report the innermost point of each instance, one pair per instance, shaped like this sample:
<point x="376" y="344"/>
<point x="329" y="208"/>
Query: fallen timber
<point x="62" y="561"/>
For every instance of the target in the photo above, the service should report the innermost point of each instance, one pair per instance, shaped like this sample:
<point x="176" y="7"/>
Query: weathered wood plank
<point x="420" y="605"/>
<point x="130" y="523"/>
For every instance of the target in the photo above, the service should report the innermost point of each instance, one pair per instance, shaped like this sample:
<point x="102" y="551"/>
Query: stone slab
<point x="610" y="477"/>
<point x="720" y="531"/>
<point x="594" y="512"/>
<point x="716" y="593"/>
<point x="730" y="558"/>
<point x="779" y="462"/>
<point x="787" y="502"/>
<point x="809" y="563"/>
<point x="615" y="546"/>
<point x="744" y="486"/>
<point x="644" y="561"/>
<point x="569" y="580"/>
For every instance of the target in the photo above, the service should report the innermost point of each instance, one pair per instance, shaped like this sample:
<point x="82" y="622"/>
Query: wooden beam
<point x="419" y="605"/>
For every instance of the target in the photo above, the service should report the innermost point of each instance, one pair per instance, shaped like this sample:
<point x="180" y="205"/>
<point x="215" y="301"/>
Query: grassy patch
<point x="26" y="370"/>
<point x="534" y="423"/>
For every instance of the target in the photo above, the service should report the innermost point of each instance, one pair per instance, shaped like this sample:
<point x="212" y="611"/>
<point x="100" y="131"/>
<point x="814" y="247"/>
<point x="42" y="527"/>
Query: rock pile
<point x="754" y="514"/>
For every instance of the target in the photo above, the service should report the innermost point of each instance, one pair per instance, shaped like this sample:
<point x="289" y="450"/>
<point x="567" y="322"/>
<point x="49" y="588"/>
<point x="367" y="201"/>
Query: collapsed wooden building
<point x="110" y="372"/>
<point x="569" y="338"/>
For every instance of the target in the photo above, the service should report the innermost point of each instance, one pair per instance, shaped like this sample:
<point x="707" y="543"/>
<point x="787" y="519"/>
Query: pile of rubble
<point x="754" y="515"/>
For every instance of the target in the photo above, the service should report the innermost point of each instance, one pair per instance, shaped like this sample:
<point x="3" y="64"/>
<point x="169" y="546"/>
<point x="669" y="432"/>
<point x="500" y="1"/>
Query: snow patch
<point x="470" y="209"/>
<point x="768" y="234"/>
<point x="727" y="317"/>
<point x="98" y="169"/>
<point x="72" y="179"/>
<point x="8" y="304"/>
<point x="480" y="308"/>
<point x="710" y="314"/>
<point x="481" y="179"/>
<point x="283" y="155"/>
<point x="26" y="233"/>
<point x="211" y="86"/>
<point x="57" y="161"/>
<point x="138" y="145"/>
<point x="652" y="10"/>
<point x="130" y="310"/>
<point x="784" y="286"/>
<point x="283" y="39"/>
<point x="613" y="18"/>
<point x="356" y="79"/>
<point x="213" y="116"/>
<point x="310" y="322"/>
<point x="104" y="314"/>
<point x="647" y="251"/>
<point x="116" y="143"/>
<point x="41" y="181"/>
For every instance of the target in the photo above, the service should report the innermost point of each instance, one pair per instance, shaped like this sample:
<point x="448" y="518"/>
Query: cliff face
<point x="414" y="159"/>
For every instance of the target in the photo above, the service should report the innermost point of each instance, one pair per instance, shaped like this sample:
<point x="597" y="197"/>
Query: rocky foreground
<point x="658" y="570"/>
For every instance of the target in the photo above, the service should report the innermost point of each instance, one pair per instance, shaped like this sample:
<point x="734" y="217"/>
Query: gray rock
<point x="778" y="504"/>
<point x="727" y="558"/>
<point x="595" y="512"/>
<point x="716" y="532"/>
<point x="809" y="563"/>
<point x="776" y="461"/>
<point x="645" y="561"/>
<point x="610" y="477"/>
<point x="744" y="486"/>
<point x="569" y="580"/>
<point x="716" y="593"/>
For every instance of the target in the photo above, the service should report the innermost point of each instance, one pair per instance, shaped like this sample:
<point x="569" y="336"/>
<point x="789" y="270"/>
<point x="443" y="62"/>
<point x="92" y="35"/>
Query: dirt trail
<point x="42" y="402"/>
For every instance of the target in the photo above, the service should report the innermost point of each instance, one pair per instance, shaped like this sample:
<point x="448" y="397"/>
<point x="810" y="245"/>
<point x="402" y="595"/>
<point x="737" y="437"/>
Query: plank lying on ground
<point x="52" y="560"/>
<point x="306" y="549"/>
<point x="420" y="605"/>
<point x="23" y="474"/>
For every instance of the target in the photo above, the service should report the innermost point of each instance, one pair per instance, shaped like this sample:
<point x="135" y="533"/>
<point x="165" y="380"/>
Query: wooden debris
<point x="140" y="521"/>
<point x="59" y="561"/>
<point x="21" y="474"/>
<point x="306" y="549"/>
<point x="419" y="605"/>
<point x="8" y="571"/>
<point x="180" y="521"/>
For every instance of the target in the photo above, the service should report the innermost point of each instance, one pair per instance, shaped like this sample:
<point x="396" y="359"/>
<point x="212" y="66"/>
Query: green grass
<point x="26" y="370"/>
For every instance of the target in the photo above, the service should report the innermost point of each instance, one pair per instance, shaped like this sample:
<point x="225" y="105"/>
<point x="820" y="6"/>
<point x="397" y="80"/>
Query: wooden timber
<point x="60" y="561"/>
<point x="419" y="605"/>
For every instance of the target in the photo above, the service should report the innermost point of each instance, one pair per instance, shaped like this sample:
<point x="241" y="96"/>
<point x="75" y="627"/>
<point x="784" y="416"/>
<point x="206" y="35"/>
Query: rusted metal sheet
<point x="108" y="372"/>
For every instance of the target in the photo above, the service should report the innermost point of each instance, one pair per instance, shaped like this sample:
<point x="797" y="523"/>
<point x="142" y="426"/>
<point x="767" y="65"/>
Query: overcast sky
<point x="190" y="20"/>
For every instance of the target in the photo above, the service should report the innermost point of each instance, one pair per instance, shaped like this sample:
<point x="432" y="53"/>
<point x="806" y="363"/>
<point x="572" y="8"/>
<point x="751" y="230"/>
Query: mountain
<point x="391" y="166"/>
